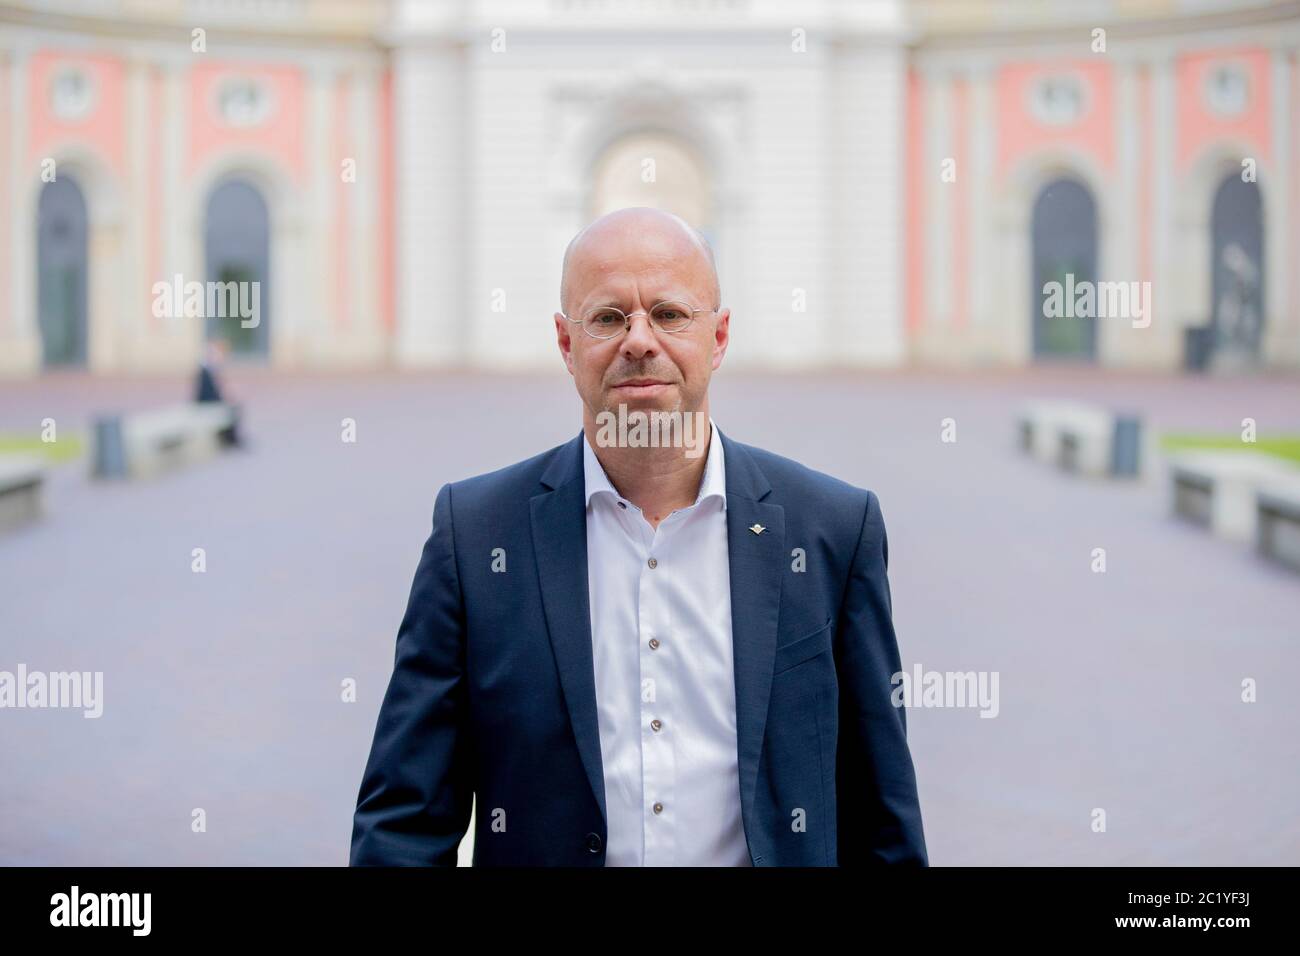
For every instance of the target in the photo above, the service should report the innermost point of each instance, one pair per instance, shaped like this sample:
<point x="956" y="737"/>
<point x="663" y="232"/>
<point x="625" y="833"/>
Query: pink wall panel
<point x="1021" y="133"/>
<point x="1199" y="125"/>
<point x="280" y="138"/>
<point x="102" y="130"/>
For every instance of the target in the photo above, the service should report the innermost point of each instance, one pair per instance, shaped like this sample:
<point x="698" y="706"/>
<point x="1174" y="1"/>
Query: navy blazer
<point x="493" y="690"/>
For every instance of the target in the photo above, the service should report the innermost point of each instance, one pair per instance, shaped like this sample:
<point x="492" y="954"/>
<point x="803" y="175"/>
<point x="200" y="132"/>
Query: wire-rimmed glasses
<point x="606" y="321"/>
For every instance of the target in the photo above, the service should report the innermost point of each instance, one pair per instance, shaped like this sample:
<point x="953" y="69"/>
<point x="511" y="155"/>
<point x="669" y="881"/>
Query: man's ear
<point x="721" y="337"/>
<point x="564" y="341"/>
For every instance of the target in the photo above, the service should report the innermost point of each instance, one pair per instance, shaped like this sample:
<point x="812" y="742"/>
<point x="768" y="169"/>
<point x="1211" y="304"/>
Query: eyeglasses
<point x="605" y="321"/>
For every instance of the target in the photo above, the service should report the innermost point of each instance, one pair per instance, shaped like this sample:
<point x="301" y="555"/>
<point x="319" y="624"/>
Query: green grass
<point x="66" y="448"/>
<point x="1280" y="446"/>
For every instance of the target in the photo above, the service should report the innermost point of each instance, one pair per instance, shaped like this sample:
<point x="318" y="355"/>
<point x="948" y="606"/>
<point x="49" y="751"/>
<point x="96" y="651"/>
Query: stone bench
<point x="22" y="480"/>
<point x="144" y="444"/>
<point x="1082" y="438"/>
<point x="1038" y="424"/>
<point x="1277" y="521"/>
<point x="1220" y="489"/>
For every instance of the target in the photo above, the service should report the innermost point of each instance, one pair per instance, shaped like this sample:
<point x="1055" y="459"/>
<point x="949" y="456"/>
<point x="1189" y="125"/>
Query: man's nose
<point x="640" y="340"/>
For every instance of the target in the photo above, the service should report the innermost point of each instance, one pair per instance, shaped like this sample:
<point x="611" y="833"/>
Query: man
<point x="645" y="654"/>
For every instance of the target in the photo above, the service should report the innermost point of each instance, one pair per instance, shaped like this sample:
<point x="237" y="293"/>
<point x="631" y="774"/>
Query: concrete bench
<point x="1082" y="438"/>
<point x="22" y="479"/>
<point x="148" y="443"/>
<point x="1220" y="489"/>
<point x="1038" y="424"/>
<point x="1277" y="521"/>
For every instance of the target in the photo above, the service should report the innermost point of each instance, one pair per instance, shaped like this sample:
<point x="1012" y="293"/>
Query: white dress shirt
<point x="665" y="679"/>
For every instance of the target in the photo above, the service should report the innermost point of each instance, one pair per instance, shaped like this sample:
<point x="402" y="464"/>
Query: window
<point x="242" y="101"/>
<point x="1057" y="100"/>
<point x="1227" y="89"/>
<point x="72" y="94"/>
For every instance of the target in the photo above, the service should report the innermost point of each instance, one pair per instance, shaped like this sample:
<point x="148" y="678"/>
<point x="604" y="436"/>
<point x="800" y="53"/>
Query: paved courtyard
<point x="222" y="690"/>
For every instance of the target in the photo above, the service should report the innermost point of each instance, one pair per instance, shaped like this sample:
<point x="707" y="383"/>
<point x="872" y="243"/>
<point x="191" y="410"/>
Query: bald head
<point x="658" y="233"/>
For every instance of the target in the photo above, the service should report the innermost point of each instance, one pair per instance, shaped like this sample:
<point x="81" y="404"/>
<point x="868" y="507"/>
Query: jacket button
<point x="593" y="842"/>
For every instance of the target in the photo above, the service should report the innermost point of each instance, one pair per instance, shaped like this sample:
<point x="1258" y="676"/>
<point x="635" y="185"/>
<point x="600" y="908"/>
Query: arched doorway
<point x="1237" y="270"/>
<point x="62" y="272"/>
<point x="657" y="169"/>
<point x="1064" y="240"/>
<point x="237" y="248"/>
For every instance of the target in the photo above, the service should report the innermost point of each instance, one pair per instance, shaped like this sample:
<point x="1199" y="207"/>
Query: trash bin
<point x="1126" y="446"/>
<point x="1198" y="344"/>
<point x="110" y="452"/>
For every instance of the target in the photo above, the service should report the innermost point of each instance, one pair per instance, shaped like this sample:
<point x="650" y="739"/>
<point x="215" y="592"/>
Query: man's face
<point x="633" y="264"/>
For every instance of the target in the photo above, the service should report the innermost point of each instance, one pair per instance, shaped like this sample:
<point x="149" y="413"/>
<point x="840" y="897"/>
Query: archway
<point x="1063" y="234"/>
<point x="657" y="169"/>
<point x="1237" y="270"/>
<point x="62" y="272"/>
<point x="237" y="248"/>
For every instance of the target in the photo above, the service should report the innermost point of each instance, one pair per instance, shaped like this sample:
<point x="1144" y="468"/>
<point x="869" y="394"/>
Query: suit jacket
<point x="493" y="690"/>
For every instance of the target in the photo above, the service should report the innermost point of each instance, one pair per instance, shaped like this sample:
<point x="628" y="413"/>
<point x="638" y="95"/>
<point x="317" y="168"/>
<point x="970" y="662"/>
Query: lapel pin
<point x="757" y="529"/>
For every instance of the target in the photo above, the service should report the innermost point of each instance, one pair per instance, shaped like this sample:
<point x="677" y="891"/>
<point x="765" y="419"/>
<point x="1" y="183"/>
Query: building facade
<point x="885" y="183"/>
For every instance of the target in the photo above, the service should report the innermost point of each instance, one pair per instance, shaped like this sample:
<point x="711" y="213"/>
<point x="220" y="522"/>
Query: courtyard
<point x="222" y="690"/>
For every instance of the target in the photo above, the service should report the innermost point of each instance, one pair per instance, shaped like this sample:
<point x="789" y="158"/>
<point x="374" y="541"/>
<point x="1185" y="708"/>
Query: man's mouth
<point x="641" y="387"/>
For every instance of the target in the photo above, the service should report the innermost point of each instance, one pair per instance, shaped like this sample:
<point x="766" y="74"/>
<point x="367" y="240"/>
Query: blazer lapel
<point x="559" y="519"/>
<point x="757" y="561"/>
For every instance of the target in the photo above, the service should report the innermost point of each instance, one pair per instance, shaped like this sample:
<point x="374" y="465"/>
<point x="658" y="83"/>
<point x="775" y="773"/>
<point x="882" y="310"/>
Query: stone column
<point x="432" y="250"/>
<point x="869" y="75"/>
<point x="20" y="336"/>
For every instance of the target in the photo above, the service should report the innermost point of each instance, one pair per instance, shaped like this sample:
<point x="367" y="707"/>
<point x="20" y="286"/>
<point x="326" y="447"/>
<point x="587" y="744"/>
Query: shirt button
<point x="654" y="643"/>
<point x="653" y="563"/>
<point x="659" y="808"/>
<point x="622" y="505"/>
<point x="656" y="725"/>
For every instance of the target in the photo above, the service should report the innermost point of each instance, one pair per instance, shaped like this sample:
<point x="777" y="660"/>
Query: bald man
<point x="651" y="645"/>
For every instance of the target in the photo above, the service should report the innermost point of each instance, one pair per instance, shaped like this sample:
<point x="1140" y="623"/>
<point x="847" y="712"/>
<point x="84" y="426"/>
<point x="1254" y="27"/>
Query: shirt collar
<point x="712" y="485"/>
